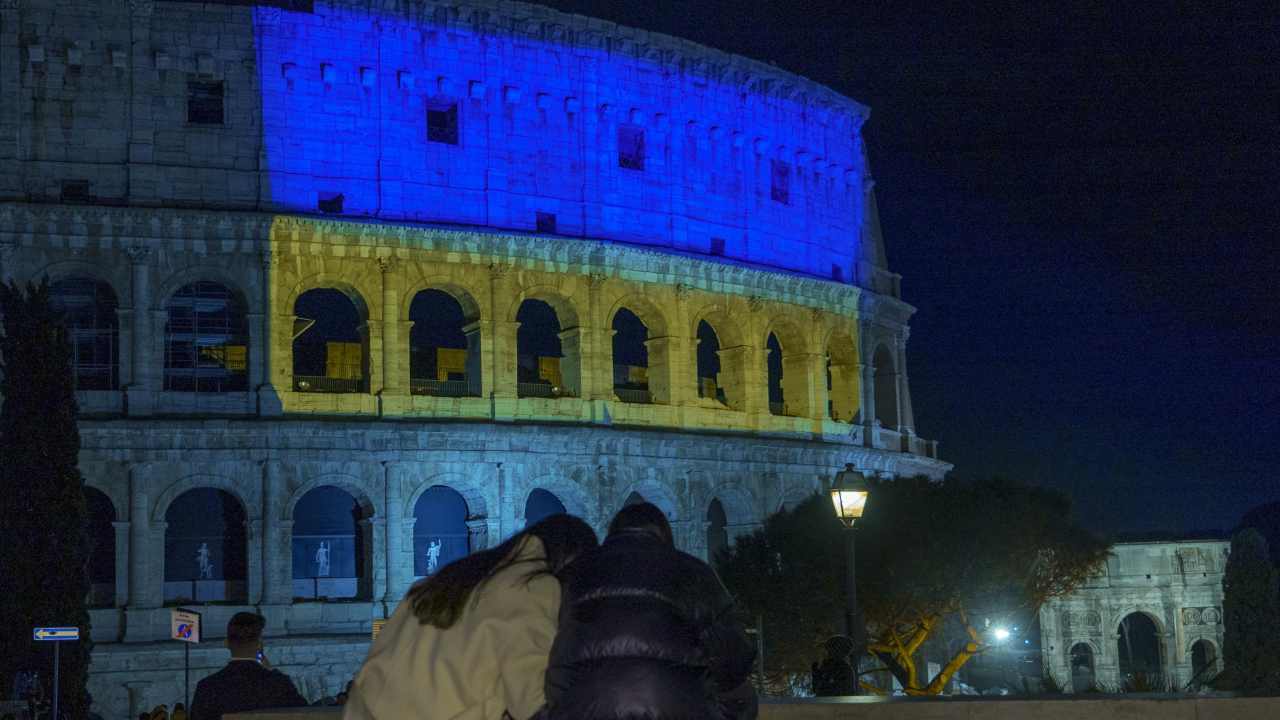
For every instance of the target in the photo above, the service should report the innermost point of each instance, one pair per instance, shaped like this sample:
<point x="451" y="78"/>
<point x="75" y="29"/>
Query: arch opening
<point x="330" y="546"/>
<point x="440" y="529"/>
<point x="542" y="367"/>
<point x="1082" y="668"/>
<point x="1204" y="661"/>
<point x="842" y="379"/>
<point x="102" y="548"/>
<point x="886" y="387"/>
<point x="444" y="348"/>
<point x="1140" y="654"/>
<point x="205" y="548"/>
<point x="89" y="309"/>
<point x="330" y="344"/>
<point x="717" y="530"/>
<point x="773" y="369"/>
<point x="630" y="358"/>
<point x="708" y="364"/>
<point x="206" y="340"/>
<point x="541" y="504"/>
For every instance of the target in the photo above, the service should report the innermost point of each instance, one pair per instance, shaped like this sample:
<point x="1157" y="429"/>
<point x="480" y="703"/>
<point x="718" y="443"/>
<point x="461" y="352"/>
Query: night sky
<point x="1083" y="206"/>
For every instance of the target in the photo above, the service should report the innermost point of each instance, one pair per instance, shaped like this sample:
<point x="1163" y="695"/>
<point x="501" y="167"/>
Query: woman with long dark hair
<point x="471" y="642"/>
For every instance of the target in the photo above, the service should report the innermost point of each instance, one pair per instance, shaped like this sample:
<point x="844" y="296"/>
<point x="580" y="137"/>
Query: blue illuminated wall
<point x="768" y="166"/>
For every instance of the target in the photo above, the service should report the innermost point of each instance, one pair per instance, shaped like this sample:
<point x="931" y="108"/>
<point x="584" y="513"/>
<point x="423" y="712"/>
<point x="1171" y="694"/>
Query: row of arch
<point x="206" y="349"/>
<point x="206" y="556"/>
<point x="1140" y="652"/>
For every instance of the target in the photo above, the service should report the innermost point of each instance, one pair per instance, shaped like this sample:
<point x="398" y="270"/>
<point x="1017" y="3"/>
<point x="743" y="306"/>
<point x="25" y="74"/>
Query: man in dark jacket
<point x="246" y="683"/>
<point x="647" y="631"/>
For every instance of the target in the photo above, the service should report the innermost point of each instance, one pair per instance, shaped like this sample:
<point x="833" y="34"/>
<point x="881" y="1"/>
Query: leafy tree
<point x="1266" y="520"/>
<point x="45" y="552"/>
<point x="1251" y="618"/>
<point x="931" y="557"/>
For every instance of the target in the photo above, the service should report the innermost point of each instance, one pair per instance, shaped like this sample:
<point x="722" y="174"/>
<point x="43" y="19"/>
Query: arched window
<point x="102" y="548"/>
<point x="329" y="548"/>
<point x="444" y="358"/>
<point x="842" y="378"/>
<point x="204" y="548"/>
<point x="88" y="307"/>
<point x="777" y="404"/>
<point x="717" y="534"/>
<point x="439" y="530"/>
<point x="330" y="349"/>
<point x="886" y="379"/>
<point x="1140" y="653"/>
<point x="709" y="364"/>
<point x="1204" y="661"/>
<point x="206" y="340"/>
<point x="630" y="358"/>
<point x="541" y="504"/>
<point x="539" y="366"/>
<point x="1082" y="677"/>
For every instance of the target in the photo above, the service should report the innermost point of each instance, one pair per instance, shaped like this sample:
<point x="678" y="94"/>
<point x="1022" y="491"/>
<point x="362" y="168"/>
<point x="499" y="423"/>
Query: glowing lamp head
<point x="1001" y="634"/>
<point x="849" y="495"/>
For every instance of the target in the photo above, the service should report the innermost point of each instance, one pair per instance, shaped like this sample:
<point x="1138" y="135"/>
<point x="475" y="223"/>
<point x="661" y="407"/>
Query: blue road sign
<point x="55" y="634"/>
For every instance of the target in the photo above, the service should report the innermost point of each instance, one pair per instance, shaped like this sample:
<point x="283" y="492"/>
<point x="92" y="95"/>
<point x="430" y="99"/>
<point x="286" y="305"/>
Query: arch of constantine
<point x="356" y="287"/>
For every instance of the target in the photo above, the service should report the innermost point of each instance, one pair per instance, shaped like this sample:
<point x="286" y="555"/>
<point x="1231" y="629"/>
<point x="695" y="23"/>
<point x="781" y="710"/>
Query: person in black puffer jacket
<point x="647" y="633"/>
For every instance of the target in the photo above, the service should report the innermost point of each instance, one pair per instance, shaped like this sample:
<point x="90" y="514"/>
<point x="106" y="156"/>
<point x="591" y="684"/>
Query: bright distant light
<point x="1001" y="634"/>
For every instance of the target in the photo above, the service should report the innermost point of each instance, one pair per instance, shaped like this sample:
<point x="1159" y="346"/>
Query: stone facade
<point x="753" y="213"/>
<point x="1176" y="585"/>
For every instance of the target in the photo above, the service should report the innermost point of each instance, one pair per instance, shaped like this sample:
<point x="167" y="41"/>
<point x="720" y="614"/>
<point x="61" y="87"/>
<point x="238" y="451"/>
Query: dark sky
<point x="1083" y="205"/>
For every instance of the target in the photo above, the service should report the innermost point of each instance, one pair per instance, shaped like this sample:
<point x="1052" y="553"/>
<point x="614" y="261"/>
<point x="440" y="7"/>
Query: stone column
<point x="799" y="388"/>
<point x="253" y="536"/>
<point x="503" y="357"/>
<point x="371" y="336"/>
<point x="477" y="534"/>
<point x="137" y="690"/>
<point x="906" y="420"/>
<point x="574" y="343"/>
<point x="663" y="387"/>
<point x="266" y="343"/>
<point x="122" y="563"/>
<point x="143" y="569"/>
<point x="479" y="380"/>
<point x="140" y="392"/>
<point x="395" y="379"/>
<point x="742" y="387"/>
<point x="374" y="531"/>
<point x="277" y="538"/>
<point x="845" y="391"/>
<point x="398" y="576"/>
<point x="867" y="403"/>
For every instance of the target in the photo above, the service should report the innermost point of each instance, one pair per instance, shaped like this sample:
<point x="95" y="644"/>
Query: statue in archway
<point x="433" y="556"/>
<point x="322" y="559"/>
<point x="205" y="560"/>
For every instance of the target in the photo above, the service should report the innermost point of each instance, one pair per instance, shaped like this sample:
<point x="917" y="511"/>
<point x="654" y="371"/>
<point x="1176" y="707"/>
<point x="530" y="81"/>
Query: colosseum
<point x="357" y="286"/>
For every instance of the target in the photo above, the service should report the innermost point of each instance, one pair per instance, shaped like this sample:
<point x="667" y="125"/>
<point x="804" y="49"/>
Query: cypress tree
<point x="1251" y="618"/>
<point x="45" y="550"/>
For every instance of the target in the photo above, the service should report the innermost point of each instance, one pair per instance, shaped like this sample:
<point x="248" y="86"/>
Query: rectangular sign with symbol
<point x="184" y="625"/>
<point x="55" y="634"/>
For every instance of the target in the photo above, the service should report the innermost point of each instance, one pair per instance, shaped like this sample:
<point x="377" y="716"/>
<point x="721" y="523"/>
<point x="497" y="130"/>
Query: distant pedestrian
<point x="247" y="682"/>
<point x="471" y="640"/>
<point x="835" y="676"/>
<point x="647" y="632"/>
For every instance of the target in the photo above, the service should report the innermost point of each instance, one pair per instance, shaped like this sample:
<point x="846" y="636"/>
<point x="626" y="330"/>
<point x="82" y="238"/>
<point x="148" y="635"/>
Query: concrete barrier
<point x="961" y="708"/>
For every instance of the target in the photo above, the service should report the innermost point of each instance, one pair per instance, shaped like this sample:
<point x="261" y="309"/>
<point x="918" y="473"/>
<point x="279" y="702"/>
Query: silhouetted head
<point x="642" y="517"/>
<point x="244" y="634"/>
<point x="439" y="600"/>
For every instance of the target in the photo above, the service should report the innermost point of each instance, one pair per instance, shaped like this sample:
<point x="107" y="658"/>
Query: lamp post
<point x="849" y="496"/>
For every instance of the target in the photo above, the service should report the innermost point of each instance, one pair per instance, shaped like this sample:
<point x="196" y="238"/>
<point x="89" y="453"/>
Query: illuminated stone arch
<point x="1125" y="650"/>
<point x="732" y="355"/>
<point x="575" y="500"/>
<point x="1203" y="654"/>
<point x="471" y="491"/>
<point x="885" y="375"/>
<point x="357" y="289"/>
<point x="306" y="371"/>
<point x="347" y="483"/>
<point x="844" y="382"/>
<point x="795" y="367"/>
<point x="438" y="368"/>
<point x="208" y="557"/>
<point x="206" y="351"/>
<point x="546" y="502"/>
<point x="468" y="296"/>
<point x="249" y="501"/>
<point x="91" y="310"/>
<point x="657" y="349"/>
<point x="233" y="282"/>
<point x="107" y="274"/>
<point x="568" y="339"/>
<point x="655" y="492"/>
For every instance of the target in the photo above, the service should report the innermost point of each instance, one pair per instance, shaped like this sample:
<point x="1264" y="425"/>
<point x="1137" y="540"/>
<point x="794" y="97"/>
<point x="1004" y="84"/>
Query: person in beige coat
<point x="471" y="642"/>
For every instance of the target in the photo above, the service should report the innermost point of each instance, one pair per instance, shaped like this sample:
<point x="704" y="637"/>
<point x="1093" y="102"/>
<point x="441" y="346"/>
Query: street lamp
<point x="849" y="496"/>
